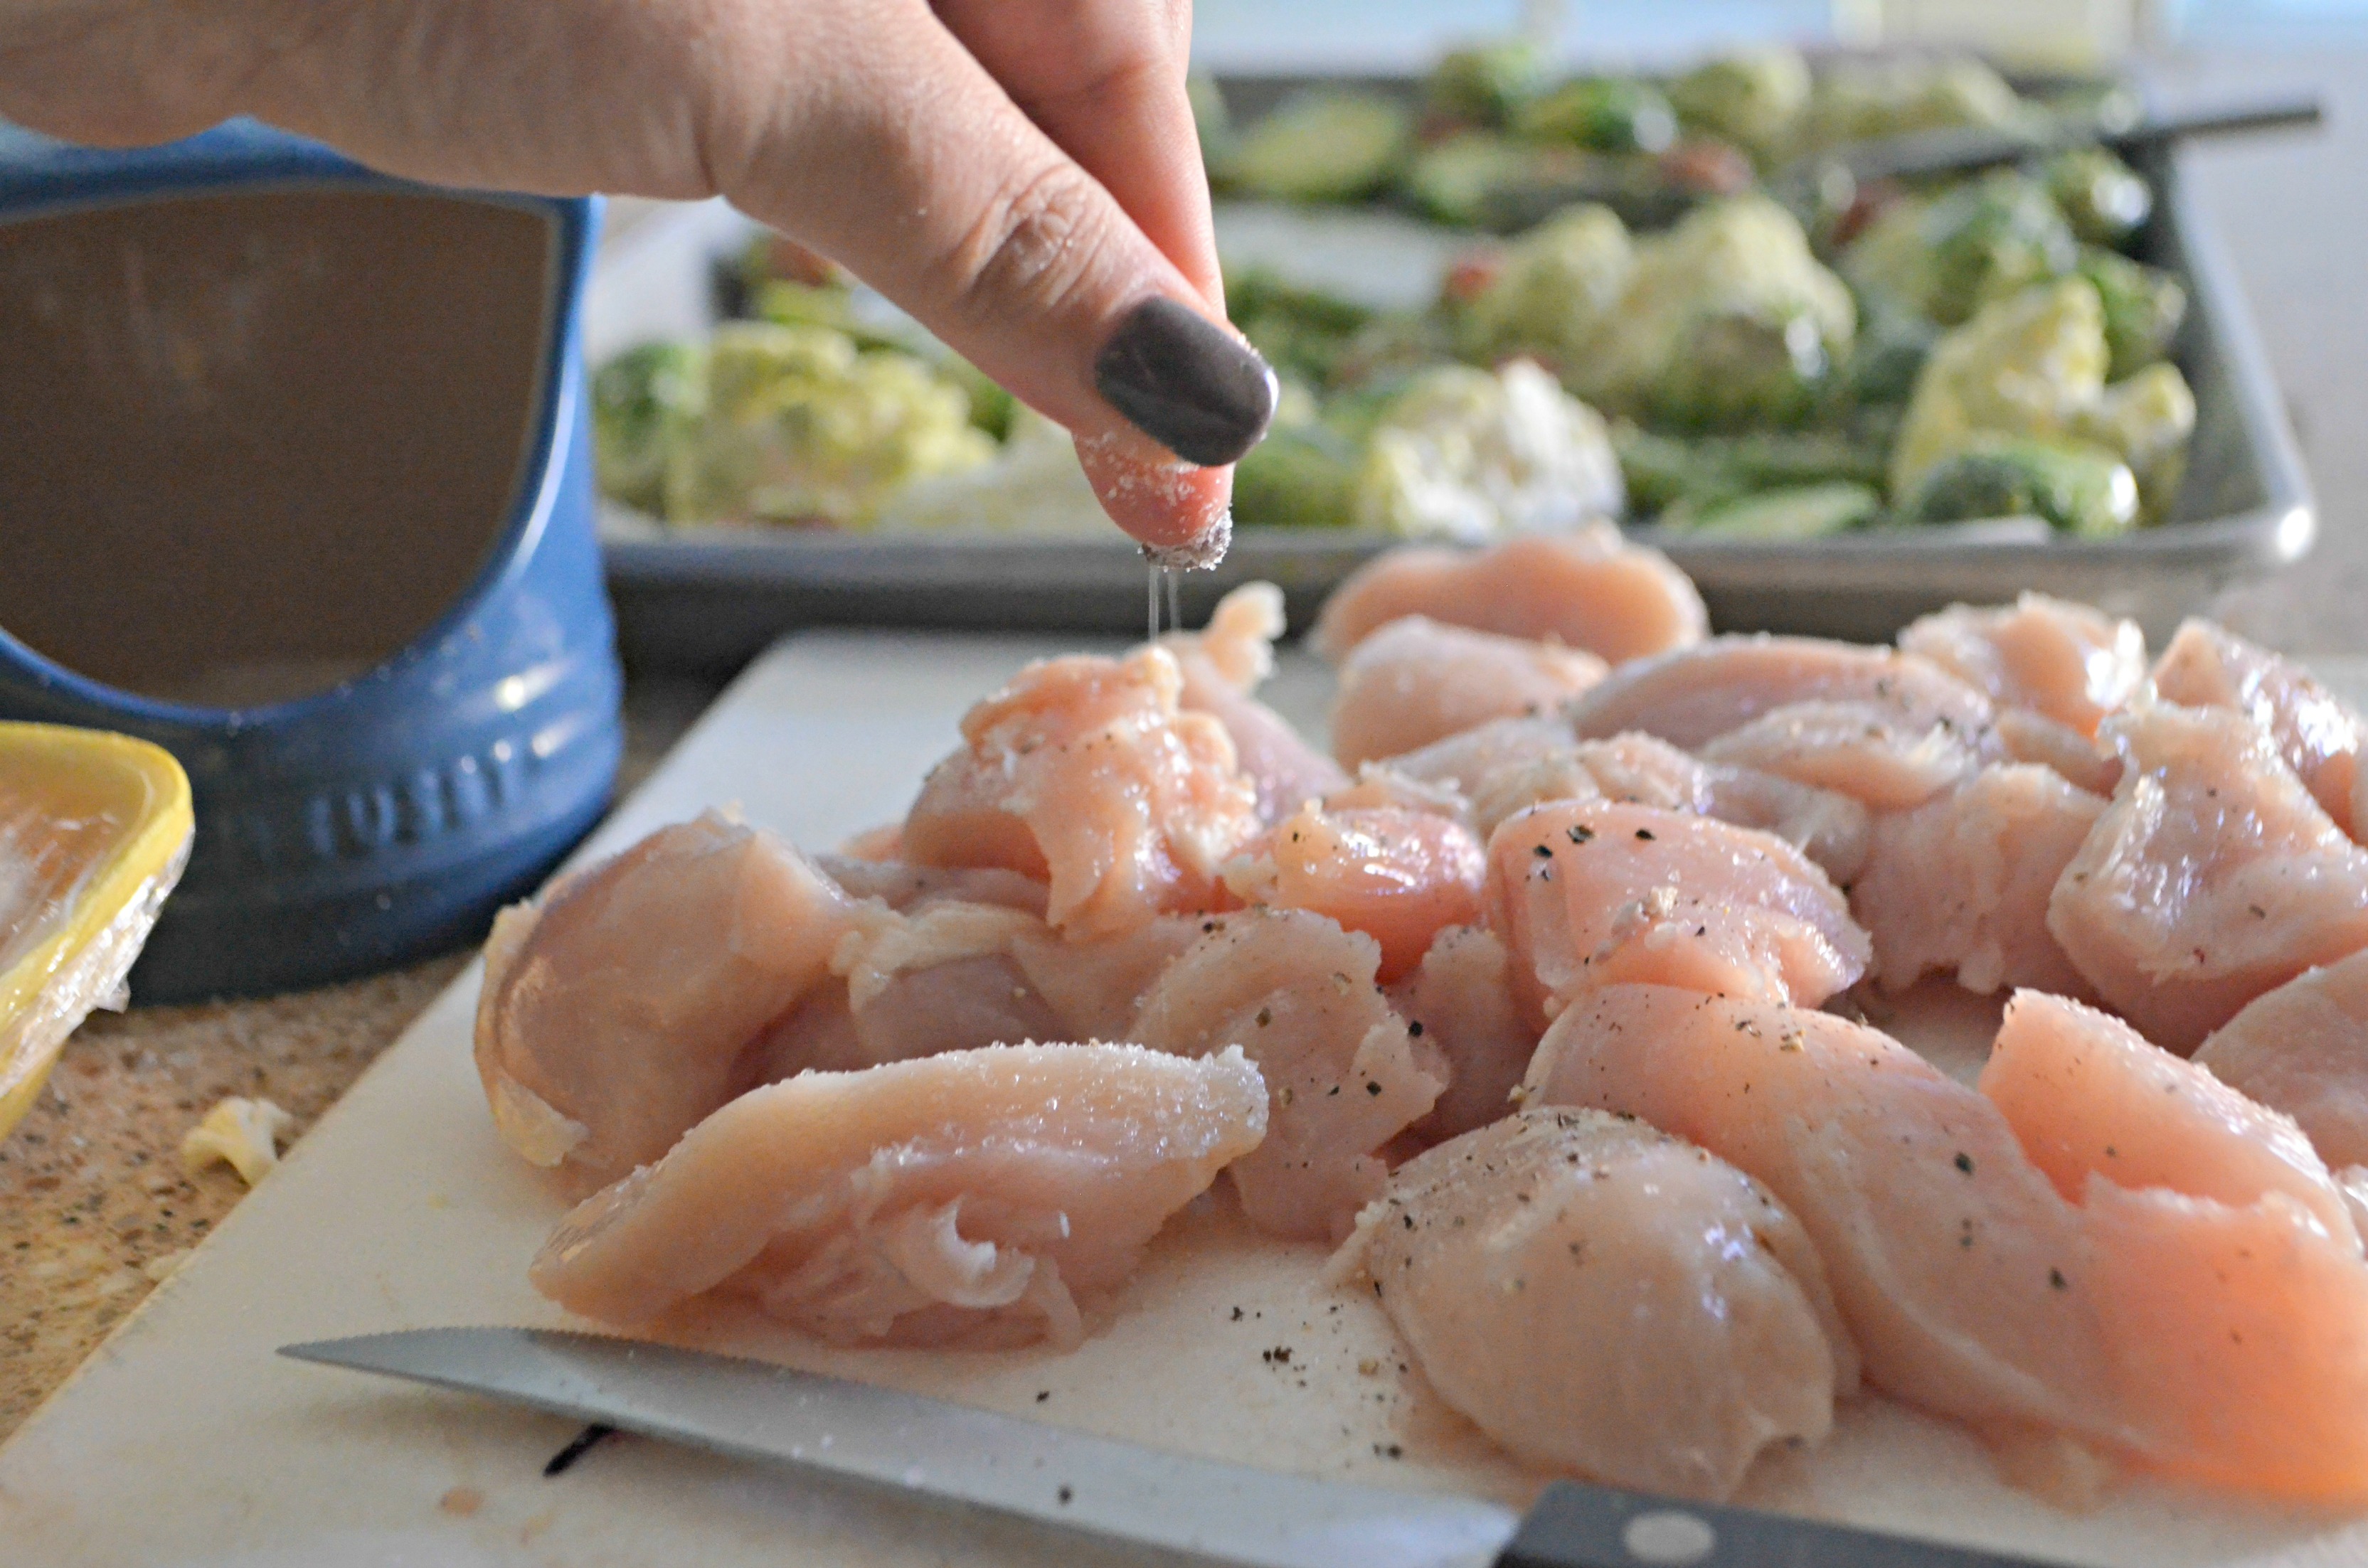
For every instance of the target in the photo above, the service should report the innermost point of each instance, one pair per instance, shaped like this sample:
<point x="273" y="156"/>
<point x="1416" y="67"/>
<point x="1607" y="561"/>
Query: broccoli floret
<point x="2104" y="200"/>
<point x="1605" y="114"/>
<point x="646" y="404"/>
<point x="2144" y="306"/>
<point x="1947" y="256"/>
<point x="803" y="427"/>
<point x="1488" y="83"/>
<point x="1556" y="289"/>
<point x="2148" y="419"/>
<point x="1754" y="99"/>
<point x="1726" y="320"/>
<point x="2077" y="488"/>
<point x="1304" y="477"/>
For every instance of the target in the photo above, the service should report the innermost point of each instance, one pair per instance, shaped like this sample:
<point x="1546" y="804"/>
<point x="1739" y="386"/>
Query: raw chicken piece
<point x="1510" y="765"/>
<point x="1602" y="1298"/>
<point x="1460" y="1002"/>
<point x="1398" y="876"/>
<point x="1858" y="749"/>
<point x="620" y="1006"/>
<point x="1098" y="986"/>
<point x="1417" y="681"/>
<point x="1594" y="893"/>
<point x="1587" y="590"/>
<point x="1941" y="1240"/>
<point x="1961" y="884"/>
<point x="944" y="979"/>
<point x="2026" y="736"/>
<point x="2064" y="662"/>
<point x="957" y="976"/>
<point x="1084" y="773"/>
<point x="966" y="1198"/>
<point x="1832" y="830"/>
<point x="1297" y="992"/>
<point x="2198" y="1338"/>
<point x="1695" y="695"/>
<point x="2240" y="1343"/>
<point x="1226" y="662"/>
<point x="1829" y="828"/>
<point x="1465" y="760"/>
<point x="885" y="842"/>
<point x="2086" y="1095"/>
<point x="2317" y="732"/>
<point x="2212" y="878"/>
<point x="908" y="890"/>
<point x="2303" y="1049"/>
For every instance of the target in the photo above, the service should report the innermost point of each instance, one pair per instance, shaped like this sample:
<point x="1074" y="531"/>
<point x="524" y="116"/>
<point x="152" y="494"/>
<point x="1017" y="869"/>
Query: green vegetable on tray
<point x="1303" y="477"/>
<point x="1782" y="514"/>
<point x="2144" y="306"/>
<point x="2075" y="487"/>
<point x="1969" y="348"/>
<point x="1946" y="256"/>
<point x="1753" y="98"/>
<point x="1604" y="114"/>
<point x="2104" y="200"/>
<point x="1322" y="146"/>
<point x="2034" y="366"/>
<point x="1488" y="83"/>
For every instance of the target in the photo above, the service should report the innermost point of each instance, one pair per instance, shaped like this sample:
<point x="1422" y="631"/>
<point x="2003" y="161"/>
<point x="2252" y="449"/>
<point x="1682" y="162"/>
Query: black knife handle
<point x="1601" y="1527"/>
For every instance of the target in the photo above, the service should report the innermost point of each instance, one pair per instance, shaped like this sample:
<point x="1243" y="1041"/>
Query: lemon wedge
<point x="94" y="831"/>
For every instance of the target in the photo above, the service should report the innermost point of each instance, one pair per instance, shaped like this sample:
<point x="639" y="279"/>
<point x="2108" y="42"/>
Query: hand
<point x="1022" y="176"/>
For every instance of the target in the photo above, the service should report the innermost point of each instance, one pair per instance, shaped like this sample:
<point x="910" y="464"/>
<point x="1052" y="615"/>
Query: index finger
<point x="1105" y="79"/>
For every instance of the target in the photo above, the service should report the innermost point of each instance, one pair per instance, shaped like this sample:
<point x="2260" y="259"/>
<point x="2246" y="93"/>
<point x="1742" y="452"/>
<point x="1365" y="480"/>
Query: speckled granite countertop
<point x="94" y="1206"/>
<point x="93" y="1203"/>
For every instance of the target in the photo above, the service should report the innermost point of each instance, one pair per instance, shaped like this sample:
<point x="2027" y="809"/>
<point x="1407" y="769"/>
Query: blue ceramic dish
<point x="384" y="812"/>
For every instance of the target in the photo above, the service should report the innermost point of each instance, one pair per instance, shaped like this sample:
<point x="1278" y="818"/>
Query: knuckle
<point x="1032" y="243"/>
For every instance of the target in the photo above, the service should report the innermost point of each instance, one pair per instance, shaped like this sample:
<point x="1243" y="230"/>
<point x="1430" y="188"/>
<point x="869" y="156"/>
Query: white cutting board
<point x="185" y="1440"/>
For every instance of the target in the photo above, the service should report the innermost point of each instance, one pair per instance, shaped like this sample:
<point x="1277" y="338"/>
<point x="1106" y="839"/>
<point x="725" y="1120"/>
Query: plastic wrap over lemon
<point x="94" y="831"/>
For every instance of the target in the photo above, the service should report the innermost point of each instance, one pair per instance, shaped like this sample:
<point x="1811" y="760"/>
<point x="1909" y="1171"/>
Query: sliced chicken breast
<point x="621" y="1005"/>
<point x="1587" y="590"/>
<point x="1084" y="773"/>
<point x="2213" y="876"/>
<point x="1601" y="1298"/>
<point x="1961" y="884"/>
<point x="1297" y="992"/>
<point x="2303" y="1049"/>
<point x="1417" y="681"/>
<point x="969" y="1198"/>
<point x="1599" y="894"/>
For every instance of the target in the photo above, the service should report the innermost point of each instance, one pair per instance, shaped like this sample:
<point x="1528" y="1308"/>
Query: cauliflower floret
<point x="1465" y="455"/>
<point x="2034" y="366"/>
<point x="1032" y="486"/>
<point x="2146" y="418"/>
<point x="241" y="1133"/>
<point x="1727" y="319"/>
<point x="2021" y="367"/>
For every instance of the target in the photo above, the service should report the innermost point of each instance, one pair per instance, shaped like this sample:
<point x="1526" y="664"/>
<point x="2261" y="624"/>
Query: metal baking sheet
<point x="707" y="600"/>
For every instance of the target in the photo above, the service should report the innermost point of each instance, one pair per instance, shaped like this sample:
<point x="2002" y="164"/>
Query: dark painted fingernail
<point x="1187" y="382"/>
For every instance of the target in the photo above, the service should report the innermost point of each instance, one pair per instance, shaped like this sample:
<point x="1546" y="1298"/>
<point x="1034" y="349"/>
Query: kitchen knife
<point x="1074" y="1481"/>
